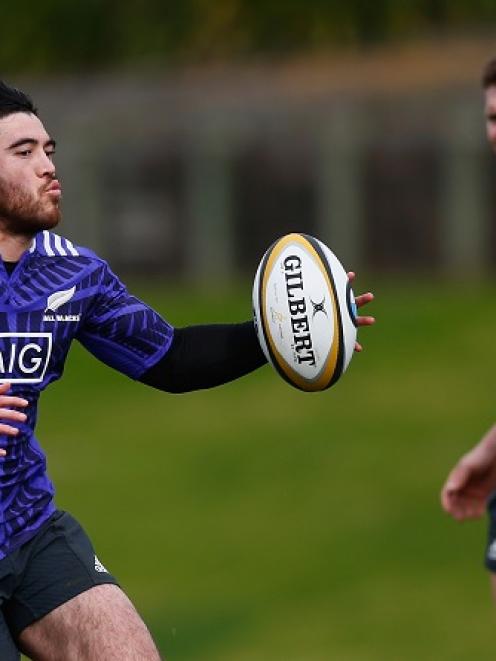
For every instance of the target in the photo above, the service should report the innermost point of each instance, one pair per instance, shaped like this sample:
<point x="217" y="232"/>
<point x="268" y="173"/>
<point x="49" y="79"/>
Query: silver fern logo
<point x="55" y="301"/>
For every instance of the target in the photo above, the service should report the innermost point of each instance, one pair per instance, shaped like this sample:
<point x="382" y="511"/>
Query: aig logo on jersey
<point x="24" y="356"/>
<point x="55" y="301"/>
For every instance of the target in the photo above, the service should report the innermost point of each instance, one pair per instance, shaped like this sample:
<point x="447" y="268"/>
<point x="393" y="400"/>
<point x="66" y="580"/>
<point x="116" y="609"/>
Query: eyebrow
<point x="30" y="141"/>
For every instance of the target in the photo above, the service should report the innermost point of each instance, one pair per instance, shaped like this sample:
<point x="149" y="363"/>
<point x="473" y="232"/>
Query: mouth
<point x="54" y="189"/>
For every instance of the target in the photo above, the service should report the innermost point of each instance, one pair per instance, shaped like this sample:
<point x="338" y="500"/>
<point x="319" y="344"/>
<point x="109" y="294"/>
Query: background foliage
<point x="60" y="36"/>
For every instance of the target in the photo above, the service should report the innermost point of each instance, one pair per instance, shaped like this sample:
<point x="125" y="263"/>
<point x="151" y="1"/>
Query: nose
<point x="45" y="167"/>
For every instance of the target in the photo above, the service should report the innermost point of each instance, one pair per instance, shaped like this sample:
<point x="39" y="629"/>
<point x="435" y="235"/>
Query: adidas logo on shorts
<point x="99" y="567"/>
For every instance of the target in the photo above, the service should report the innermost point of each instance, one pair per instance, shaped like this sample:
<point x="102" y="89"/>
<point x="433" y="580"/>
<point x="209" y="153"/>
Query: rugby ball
<point x="304" y="312"/>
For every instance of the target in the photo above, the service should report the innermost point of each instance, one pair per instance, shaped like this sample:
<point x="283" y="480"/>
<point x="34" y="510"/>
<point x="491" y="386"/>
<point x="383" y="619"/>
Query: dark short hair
<point x="489" y="74"/>
<point x="13" y="100"/>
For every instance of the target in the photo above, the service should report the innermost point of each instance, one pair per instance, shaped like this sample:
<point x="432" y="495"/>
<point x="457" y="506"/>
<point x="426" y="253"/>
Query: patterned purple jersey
<point x="57" y="293"/>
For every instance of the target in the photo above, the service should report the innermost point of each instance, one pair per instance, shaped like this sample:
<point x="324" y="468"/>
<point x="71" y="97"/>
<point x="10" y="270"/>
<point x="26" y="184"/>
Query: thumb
<point x="457" y="479"/>
<point x="455" y="482"/>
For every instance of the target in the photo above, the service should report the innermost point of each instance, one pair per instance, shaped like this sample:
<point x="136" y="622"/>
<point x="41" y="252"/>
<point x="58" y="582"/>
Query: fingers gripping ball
<point x="304" y="312"/>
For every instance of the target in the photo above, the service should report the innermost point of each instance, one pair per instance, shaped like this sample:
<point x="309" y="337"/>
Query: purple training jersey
<point x="59" y="292"/>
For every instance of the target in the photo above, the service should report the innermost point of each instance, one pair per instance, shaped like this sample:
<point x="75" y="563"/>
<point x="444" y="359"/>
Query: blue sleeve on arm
<point x="122" y="331"/>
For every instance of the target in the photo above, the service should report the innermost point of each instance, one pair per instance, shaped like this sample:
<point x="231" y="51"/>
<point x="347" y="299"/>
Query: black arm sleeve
<point x="206" y="356"/>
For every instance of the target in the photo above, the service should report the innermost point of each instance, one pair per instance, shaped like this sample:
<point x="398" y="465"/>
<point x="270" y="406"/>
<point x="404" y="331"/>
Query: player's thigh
<point x="100" y="623"/>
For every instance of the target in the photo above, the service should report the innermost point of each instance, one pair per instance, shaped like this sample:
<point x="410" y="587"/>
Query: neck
<point x="12" y="247"/>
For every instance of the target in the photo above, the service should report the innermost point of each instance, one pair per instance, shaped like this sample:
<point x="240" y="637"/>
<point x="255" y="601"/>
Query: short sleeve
<point x="122" y="331"/>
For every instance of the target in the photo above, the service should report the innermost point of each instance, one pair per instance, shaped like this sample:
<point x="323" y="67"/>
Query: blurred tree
<point x="58" y="36"/>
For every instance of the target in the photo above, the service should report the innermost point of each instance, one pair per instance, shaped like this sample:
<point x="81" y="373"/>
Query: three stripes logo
<point x="99" y="567"/>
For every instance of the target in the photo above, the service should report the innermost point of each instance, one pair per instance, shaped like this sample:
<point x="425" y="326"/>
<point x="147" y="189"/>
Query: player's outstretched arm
<point x="9" y="413"/>
<point x="210" y="355"/>
<point x="472" y="480"/>
<point x="206" y="356"/>
<point x="360" y="301"/>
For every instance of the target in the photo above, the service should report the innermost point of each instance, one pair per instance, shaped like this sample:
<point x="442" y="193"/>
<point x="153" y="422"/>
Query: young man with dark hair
<point x="471" y="485"/>
<point x="57" y="600"/>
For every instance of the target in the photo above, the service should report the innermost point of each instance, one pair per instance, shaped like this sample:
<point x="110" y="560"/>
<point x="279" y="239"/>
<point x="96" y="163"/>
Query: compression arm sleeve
<point x="206" y="356"/>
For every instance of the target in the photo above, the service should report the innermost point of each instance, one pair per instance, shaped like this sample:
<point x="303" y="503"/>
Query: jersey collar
<point x="52" y="245"/>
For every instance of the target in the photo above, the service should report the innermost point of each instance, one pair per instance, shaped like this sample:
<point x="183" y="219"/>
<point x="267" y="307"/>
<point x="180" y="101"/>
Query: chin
<point x="47" y="220"/>
<point x="53" y="221"/>
<point x="31" y="226"/>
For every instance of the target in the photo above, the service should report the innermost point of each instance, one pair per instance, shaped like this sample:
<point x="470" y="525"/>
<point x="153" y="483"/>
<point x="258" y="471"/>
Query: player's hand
<point x="361" y="300"/>
<point x="470" y="483"/>
<point x="9" y="413"/>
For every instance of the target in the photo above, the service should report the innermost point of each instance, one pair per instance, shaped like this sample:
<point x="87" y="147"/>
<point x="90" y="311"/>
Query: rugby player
<point x="470" y="487"/>
<point x="57" y="600"/>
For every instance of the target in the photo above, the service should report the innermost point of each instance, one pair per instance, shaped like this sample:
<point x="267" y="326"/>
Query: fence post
<point x="210" y="239"/>
<point x="463" y="208"/>
<point x="339" y="186"/>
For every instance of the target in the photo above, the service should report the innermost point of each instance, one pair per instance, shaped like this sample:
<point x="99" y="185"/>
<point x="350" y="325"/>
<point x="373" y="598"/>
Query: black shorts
<point x="490" y="556"/>
<point x="56" y="565"/>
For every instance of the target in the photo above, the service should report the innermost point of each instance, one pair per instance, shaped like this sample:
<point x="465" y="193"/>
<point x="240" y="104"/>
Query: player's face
<point x="490" y="113"/>
<point x="29" y="191"/>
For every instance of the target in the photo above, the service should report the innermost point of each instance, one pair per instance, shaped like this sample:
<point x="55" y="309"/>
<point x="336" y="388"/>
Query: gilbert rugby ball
<point x="304" y="312"/>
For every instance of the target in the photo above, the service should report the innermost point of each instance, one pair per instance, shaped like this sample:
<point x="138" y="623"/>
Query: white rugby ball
<point x="304" y="312"/>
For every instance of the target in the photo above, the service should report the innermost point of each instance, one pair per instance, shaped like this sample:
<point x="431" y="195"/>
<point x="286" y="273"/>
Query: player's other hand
<point x="469" y="484"/>
<point x="9" y="412"/>
<point x="360" y="301"/>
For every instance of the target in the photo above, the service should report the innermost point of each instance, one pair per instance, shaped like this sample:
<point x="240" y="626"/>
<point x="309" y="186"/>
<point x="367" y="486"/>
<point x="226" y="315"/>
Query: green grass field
<point x="255" y="522"/>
